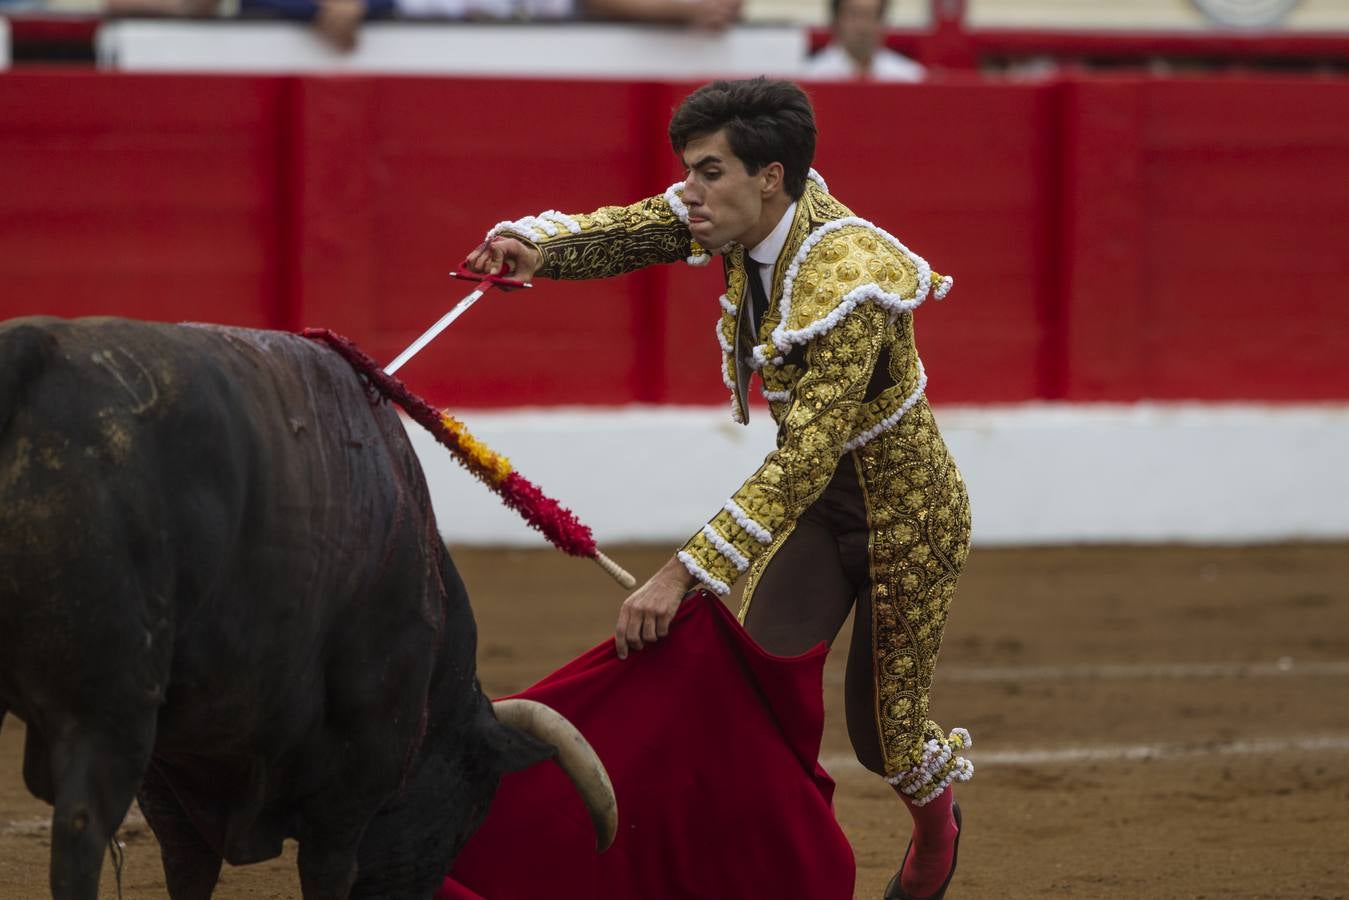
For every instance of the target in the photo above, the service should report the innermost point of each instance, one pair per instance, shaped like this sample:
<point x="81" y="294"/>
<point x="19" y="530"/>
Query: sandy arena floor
<point x="1148" y="723"/>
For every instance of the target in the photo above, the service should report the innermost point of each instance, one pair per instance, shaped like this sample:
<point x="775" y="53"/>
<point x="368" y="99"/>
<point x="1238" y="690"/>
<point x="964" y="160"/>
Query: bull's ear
<point x="514" y="750"/>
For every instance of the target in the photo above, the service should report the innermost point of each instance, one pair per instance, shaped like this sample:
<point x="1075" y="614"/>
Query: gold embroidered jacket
<point x="834" y="352"/>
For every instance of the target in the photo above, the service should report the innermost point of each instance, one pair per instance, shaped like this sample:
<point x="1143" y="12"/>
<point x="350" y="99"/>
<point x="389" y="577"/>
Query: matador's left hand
<point x="645" y="616"/>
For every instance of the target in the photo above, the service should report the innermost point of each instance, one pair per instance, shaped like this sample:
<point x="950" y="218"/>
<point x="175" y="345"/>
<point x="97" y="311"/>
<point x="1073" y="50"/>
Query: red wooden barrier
<point x="1112" y="239"/>
<point x="1207" y="239"/>
<point x="160" y="198"/>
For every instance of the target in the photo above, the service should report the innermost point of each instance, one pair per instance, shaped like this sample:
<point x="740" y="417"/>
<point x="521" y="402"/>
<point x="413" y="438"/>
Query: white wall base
<point x="1037" y="474"/>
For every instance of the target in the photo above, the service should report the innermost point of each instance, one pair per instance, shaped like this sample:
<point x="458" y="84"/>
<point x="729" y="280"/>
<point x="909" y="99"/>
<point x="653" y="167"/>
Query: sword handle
<point x="497" y="278"/>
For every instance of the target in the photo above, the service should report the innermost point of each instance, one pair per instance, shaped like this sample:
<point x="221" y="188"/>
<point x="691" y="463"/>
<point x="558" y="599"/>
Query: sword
<point x="485" y="283"/>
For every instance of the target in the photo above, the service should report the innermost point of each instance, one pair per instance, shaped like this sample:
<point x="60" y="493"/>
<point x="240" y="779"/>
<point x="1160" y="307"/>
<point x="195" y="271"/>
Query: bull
<point x="222" y="593"/>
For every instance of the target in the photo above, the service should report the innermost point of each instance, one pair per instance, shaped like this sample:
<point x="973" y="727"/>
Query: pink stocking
<point x="934" y="840"/>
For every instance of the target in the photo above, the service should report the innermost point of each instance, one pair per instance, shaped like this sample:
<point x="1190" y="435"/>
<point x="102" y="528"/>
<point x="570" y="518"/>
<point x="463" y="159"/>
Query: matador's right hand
<point x="520" y="259"/>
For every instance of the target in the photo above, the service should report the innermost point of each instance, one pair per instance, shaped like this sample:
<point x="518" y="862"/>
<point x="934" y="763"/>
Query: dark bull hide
<point x="222" y="592"/>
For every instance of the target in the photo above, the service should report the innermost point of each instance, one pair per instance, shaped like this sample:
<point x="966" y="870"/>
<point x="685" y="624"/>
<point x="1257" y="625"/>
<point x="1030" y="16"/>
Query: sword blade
<point x="430" y="334"/>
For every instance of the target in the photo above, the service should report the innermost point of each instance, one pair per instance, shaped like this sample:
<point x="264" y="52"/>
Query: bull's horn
<point x="576" y="757"/>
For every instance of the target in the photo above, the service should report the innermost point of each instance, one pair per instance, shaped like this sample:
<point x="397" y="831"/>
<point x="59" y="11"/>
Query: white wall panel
<point x="1037" y="474"/>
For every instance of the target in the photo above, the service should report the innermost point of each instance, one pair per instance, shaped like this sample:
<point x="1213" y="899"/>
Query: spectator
<point x="711" y="15"/>
<point x="162" y="8"/>
<point x="338" y="21"/>
<point x="708" y="14"/>
<point x="858" y="49"/>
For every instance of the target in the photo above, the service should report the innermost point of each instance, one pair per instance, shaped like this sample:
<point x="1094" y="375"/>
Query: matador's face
<point x="725" y="202"/>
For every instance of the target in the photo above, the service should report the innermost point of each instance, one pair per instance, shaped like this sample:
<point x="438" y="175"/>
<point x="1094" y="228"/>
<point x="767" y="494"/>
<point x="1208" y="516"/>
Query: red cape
<point x="712" y="746"/>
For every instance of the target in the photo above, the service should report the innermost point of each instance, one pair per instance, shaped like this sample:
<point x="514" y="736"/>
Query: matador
<point x="860" y="503"/>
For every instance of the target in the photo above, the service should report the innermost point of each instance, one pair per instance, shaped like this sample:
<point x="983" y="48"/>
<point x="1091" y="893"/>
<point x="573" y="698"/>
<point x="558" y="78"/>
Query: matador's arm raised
<point x="609" y="241"/>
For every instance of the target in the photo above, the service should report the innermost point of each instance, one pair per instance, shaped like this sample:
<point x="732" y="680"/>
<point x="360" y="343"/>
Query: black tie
<point x="759" y="297"/>
<point x="747" y="331"/>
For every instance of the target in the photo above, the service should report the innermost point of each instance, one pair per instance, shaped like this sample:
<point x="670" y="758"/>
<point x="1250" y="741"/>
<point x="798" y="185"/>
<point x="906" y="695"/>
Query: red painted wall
<point x="1112" y="239"/>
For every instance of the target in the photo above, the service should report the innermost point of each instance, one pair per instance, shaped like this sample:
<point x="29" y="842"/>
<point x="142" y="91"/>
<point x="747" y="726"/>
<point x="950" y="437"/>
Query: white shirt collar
<point x="766" y="251"/>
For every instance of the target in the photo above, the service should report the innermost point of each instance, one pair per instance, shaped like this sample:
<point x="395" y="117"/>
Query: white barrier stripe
<point x="1133" y="672"/>
<point x="1144" y="671"/>
<point x="1125" y="752"/>
<point x="1190" y="455"/>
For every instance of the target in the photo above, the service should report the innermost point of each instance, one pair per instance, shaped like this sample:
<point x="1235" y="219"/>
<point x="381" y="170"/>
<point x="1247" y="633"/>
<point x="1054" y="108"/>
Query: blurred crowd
<point x="854" y="45"/>
<point x="856" y="48"/>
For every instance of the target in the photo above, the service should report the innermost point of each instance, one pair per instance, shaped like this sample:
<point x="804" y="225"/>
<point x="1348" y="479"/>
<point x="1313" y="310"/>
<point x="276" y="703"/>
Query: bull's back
<point x="216" y="552"/>
<point x="236" y="488"/>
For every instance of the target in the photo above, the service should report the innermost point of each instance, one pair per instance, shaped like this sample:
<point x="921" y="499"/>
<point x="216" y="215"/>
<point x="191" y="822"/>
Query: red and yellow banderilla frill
<point x="557" y="523"/>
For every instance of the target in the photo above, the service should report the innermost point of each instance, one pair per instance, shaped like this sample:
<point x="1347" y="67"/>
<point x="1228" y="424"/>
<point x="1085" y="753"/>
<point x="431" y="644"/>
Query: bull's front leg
<point x="94" y="777"/>
<point x="327" y="871"/>
<point x="360" y="758"/>
<point x="191" y="867"/>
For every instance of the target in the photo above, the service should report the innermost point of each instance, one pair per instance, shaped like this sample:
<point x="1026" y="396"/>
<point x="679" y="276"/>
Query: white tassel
<point x="943" y="287"/>
<point x="937" y="758"/>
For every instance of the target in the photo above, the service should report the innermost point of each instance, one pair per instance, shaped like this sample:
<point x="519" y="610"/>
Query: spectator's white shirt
<point x="834" y="64"/>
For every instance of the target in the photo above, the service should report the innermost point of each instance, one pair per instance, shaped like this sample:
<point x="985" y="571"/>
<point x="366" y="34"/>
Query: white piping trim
<point x="721" y="588"/>
<point x="784" y="339"/>
<point x="892" y="302"/>
<point x="505" y="226"/>
<point x="743" y="519"/>
<point x="676" y="202"/>
<point x="775" y="396"/>
<point x="818" y="179"/>
<point x="726" y="304"/>
<point x="943" y="287"/>
<point x="726" y="548"/>
<point x="726" y="348"/>
<point x="890" y="420"/>
<point x="529" y="226"/>
<point x="562" y="219"/>
<point x="761" y="357"/>
<point x="727" y="356"/>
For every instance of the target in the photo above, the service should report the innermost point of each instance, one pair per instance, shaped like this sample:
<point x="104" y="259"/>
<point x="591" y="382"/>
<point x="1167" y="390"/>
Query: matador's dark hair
<point x="765" y="120"/>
